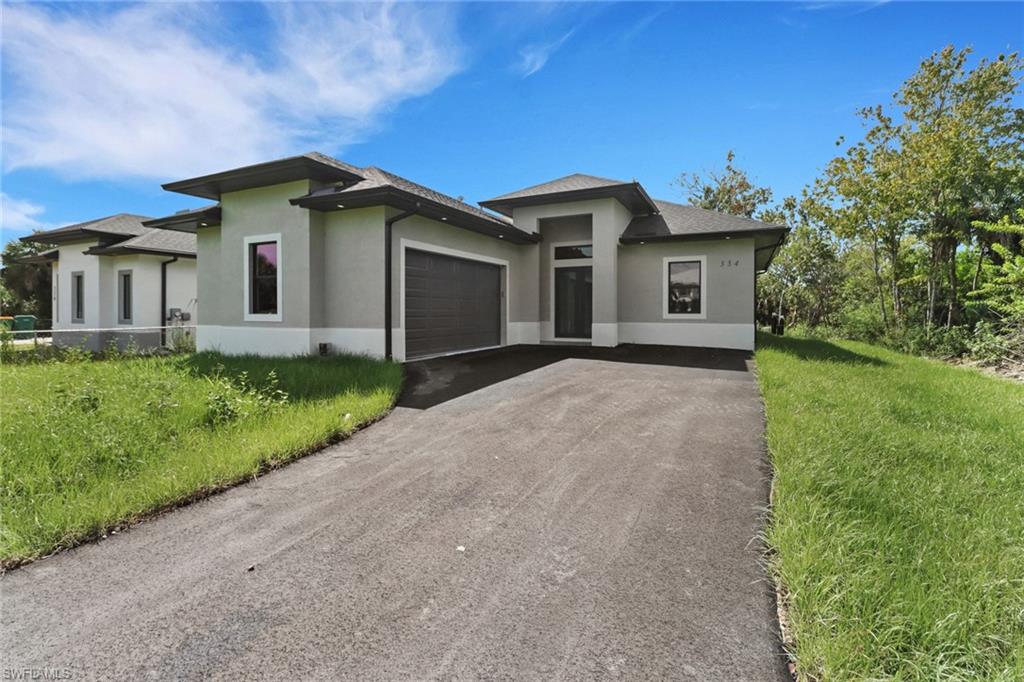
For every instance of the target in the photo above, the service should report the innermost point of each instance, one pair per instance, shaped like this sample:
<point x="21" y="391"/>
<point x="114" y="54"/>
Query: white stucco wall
<point x="101" y="297"/>
<point x="72" y="260"/>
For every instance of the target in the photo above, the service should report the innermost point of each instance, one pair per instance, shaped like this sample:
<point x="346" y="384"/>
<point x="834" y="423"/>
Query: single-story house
<point x="310" y="254"/>
<point x="116" y="280"/>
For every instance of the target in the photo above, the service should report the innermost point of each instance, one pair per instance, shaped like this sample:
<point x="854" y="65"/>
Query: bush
<point x="862" y="323"/>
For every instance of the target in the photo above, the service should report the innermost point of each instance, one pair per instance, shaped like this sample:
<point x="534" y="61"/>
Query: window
<point x="124" y="297"/>
<point x="684" y="292"/>
<point x="78" y="297"/>
<point x="574" y="251"/>
<point x="263" y="274"/>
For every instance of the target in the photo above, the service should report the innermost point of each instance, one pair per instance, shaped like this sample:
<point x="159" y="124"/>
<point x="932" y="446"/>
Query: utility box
<point x="24" y="325"/>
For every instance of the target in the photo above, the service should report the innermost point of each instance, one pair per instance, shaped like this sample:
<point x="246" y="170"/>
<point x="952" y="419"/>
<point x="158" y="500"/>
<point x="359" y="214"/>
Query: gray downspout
<point x="163" y="299"/>
<point x="387" y="276"/>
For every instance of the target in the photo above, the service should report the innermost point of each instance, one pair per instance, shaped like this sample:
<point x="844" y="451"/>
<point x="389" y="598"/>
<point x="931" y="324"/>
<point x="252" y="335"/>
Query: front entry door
<point x="573" y="302"/>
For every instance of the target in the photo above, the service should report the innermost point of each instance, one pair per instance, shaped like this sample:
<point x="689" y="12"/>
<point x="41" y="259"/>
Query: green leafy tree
<point x="1003" y="292"/>
<point x="730" y="191"/>
<point x="27" y="286"/>
<point x="961" y="137"/>
<point x="804" y="278"/>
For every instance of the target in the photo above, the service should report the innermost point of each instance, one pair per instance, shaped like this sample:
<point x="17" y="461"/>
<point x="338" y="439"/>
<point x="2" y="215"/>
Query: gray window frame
<point x="121" y="318"/>
<point x="78" y="295"/>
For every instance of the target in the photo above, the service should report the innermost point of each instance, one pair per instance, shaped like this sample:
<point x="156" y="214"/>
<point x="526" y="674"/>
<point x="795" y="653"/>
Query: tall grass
<point x="898" y="515"/>
<point x="85" y="445"/>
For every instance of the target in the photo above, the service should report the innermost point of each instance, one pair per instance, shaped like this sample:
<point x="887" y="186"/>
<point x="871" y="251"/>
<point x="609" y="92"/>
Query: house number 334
<point x="730" y="263"/>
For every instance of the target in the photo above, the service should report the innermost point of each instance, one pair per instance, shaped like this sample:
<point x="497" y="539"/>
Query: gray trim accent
<point x="121" y="319"/>
<point x="77" y="294"/>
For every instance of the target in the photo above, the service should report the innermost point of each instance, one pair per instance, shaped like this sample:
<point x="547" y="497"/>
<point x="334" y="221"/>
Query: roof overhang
<point x="406" y="201"/>
<point x="188" y="221"/>
<point x="764" y="254"/>
<point x="630" y="194"/>
<point x="261" y="175"/>
<point x="42" y="258"/>
<point x="121" y="250"/>
<point x="68" y="237"/>
<point x="702" y="236"/>
<point x="767" y="241"/>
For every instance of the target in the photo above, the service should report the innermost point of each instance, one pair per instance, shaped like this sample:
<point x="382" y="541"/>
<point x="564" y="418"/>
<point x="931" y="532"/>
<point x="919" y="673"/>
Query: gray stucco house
<point x="309" y="250"/>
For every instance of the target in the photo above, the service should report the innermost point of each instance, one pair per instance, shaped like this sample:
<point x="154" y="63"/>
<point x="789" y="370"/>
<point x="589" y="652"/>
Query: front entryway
<point x="451" y="304"/>
<point x="573" y="302"/>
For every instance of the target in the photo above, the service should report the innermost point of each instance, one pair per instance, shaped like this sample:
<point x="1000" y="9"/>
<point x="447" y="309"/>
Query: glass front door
<point x="573" y="302"/>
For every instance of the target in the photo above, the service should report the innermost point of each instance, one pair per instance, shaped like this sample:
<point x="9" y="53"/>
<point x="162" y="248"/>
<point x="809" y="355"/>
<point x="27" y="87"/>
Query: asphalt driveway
<point x="530" y="514"/>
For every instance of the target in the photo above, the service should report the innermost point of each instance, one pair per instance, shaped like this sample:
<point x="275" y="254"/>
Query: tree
<point x="962" y="142"/>
<point x="803" y="279"/>
<point x="862" y="197"/>
<point x="730" y="191"/>
<point x="27" y="285"/>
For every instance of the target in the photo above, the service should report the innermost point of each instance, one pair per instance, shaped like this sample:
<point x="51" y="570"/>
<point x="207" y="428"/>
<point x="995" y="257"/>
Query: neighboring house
<point x="116" y="280"/>
<point x="308" y="250"/>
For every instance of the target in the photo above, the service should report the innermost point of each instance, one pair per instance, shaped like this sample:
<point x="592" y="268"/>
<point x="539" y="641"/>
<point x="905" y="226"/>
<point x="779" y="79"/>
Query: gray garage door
<point x="451" y="304"/>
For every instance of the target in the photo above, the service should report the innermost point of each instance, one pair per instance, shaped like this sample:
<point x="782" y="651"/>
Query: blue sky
<point x="102" y="103"/>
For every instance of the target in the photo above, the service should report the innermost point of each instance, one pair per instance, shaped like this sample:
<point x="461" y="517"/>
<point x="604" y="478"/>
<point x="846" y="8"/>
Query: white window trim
<point x="703" y="314"/>
<point x="247" y="282"/>
<point x="568" y="263"/>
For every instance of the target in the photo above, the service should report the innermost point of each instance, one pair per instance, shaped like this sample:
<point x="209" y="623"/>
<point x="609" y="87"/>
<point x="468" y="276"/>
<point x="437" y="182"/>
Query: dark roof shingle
<point x="158" y="241"/>
<point x="379" y="180"/>
<point x="570" y="183"/>
<point x="679" y="220"/>
<point x="123" y="224"/>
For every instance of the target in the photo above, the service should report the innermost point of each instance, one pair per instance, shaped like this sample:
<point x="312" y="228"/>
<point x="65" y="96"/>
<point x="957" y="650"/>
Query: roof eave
<point x="76" y="236"/>
<point x="506" y="206"/>
<point x="136" y="250"/>
<point x="774" y="250"/>
<point x="260" y="175"/>
<point x="188" y="222"/>
<point x="392" y="196"/>
<point x="703" y="236"/>
<point x="39" y="258"/>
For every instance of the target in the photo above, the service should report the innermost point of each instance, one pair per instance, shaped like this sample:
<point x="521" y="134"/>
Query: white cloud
<point x="170" y="90"/>
<point x="532" y="58"/>
<point x="19" y="217"/>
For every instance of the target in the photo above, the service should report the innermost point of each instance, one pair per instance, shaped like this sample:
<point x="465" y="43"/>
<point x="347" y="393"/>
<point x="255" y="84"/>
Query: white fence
<point x="97" y="338"/>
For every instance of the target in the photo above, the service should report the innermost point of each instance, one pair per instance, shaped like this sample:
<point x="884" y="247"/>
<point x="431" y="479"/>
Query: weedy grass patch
<point x="86" y="445"/>
<point x="897" y="524"/>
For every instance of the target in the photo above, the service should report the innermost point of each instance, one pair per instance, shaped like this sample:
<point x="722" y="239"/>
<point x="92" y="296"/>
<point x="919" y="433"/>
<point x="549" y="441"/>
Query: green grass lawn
<point x="898" y="513"/>
<point x="87" y="445"/>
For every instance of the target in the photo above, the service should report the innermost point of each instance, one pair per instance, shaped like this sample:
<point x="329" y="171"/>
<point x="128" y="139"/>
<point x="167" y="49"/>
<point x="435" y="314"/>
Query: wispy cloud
<point x="19" y="217"/>
<point x="533" y="58"/>
<point x="166" y="90"/>
<point x="643" y="23"/>
<point x="857" y="7"/>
